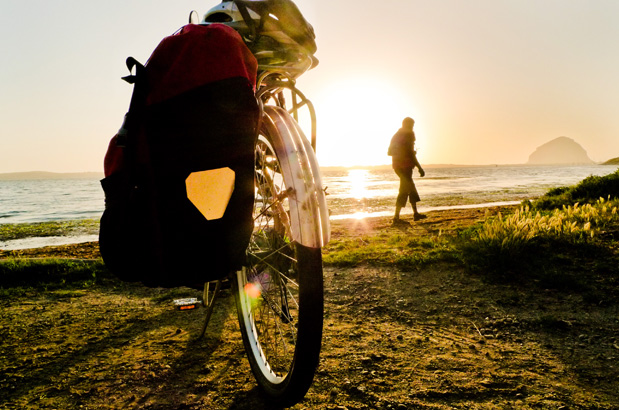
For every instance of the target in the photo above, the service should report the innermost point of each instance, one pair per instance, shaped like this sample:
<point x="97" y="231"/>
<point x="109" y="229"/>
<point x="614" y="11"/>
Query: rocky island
<point x="562" y="150"/>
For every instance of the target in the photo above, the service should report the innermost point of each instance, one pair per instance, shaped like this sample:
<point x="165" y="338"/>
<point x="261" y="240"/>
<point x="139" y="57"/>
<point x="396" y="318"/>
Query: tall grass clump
<point x="586" y="191"/>
<point x="51" y="228"/>
<point x="50" y="273"/>
<point x="508" y="243"/>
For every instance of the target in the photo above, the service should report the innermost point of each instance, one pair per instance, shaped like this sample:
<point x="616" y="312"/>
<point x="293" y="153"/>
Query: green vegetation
<point x="588" y="190"/>
<point x="42" y="229"/>
<point x="552" y="239"/>
<point x="550" y="246"/>
<point x="572" y="223"/>
<point x="50" y="273"/>
<point x="499" y="243"/>
<point x="543" y="240"/>
<point x="399" y="250"/>
<point x="546" y="243"/>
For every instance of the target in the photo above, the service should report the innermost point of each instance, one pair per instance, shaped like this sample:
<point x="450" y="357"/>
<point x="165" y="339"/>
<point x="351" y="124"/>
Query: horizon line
<point x="6" y="175"/>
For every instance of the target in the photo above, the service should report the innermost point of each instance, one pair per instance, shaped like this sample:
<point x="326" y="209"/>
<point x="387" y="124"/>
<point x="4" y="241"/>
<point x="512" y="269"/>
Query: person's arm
<point x="422" y="173"/>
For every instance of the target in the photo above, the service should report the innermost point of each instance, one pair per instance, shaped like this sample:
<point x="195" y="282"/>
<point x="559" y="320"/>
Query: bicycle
<point x="279" y="291"/>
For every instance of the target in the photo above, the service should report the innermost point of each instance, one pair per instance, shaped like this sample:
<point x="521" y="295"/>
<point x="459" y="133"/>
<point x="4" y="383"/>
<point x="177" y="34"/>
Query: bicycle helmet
<point x="280" y="20"/>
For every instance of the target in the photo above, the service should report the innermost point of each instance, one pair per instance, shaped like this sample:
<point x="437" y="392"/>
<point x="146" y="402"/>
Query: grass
<point x="405" y="252"/>
<point x="545" y="237"/>
<point x="508" y="236"/>
<point x="43" y="229"/>
<point x="548" y="246"/>
<point x="588" y="190"/>
<point x="50" y="273"/>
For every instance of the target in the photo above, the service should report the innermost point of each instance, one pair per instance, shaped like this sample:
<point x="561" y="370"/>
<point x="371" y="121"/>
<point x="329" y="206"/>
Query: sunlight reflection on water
<point x="358" y="193"/>
<point x="351" y="193"/>
<point x="358" y="180"/>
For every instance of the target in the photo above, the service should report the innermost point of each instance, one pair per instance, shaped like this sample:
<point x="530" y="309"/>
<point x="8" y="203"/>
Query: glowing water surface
<point x="357" y="193"/>
<point x="352" y="193"/>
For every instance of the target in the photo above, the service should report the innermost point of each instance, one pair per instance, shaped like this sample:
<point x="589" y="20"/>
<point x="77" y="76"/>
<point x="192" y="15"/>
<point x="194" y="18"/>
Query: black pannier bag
<point x="179" y="175"/>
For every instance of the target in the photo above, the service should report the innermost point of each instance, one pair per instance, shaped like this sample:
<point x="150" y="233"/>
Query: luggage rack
<point x="271" y="86"/>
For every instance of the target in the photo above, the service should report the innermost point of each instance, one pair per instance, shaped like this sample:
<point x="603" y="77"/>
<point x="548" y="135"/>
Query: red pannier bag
<point x="179" y="175"/>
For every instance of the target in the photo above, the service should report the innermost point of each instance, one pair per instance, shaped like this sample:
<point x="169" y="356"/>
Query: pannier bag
<point x="179" y="174"/>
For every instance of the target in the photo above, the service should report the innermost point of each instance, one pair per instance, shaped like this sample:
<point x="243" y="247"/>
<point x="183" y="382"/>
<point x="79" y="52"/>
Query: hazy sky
<point x="487" y="81"/>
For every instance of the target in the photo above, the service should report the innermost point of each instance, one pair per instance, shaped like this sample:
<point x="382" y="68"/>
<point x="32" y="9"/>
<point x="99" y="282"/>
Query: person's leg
<point x="400" y="202"/>
<point x="398" y="208"/>
<point x="414" y="198"/>
<point x="404" y="191"/>
<point x="416" y="215"/>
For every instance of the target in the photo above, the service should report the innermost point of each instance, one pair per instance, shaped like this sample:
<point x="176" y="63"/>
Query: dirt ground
<point x="437" y="338"/>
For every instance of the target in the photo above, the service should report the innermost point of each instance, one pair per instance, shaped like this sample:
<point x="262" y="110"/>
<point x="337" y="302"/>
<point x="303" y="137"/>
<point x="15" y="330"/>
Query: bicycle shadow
<point x="132" y="349"/>
<point x="45" y="374"/>
<point x="208" y="369"/>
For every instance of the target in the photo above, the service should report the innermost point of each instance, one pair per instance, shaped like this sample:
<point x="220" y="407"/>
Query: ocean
<point x="372" y="192"/>
<point x="351" y="193"/>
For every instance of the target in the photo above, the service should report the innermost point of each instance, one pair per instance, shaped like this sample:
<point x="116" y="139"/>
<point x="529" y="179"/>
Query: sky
<point x="487" y="81"/>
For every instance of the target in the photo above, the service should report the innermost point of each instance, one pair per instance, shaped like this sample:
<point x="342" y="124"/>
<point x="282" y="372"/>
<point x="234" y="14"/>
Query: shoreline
<point x="34" y="242"/>
<point x="422" y="209"/>
<point x="438" y="222"/>
<point x="350" y="194"/>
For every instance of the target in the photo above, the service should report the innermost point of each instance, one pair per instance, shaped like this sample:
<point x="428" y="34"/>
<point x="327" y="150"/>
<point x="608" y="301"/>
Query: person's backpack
<point x="179" y="175"/>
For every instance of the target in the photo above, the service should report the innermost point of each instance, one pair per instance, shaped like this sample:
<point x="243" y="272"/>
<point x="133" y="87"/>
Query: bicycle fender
<point x="309" y="215"/>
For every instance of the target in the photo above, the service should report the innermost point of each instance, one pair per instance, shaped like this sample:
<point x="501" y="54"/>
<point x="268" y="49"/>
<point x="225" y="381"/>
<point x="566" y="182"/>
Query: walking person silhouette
<point x="404" y="160"/>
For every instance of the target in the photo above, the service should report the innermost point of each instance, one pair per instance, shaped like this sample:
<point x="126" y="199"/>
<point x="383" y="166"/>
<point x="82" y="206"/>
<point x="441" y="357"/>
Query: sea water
<point x="356" y="192"/>
<point x="371" y="192"/>
<point x="45" y="200"/>
<point x="349" y="190"/>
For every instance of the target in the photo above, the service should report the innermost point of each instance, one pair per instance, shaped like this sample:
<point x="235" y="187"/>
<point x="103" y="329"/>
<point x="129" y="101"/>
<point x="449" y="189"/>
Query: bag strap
<point x="137" y="100"/>
<point x="139" y="69"/>
<point x="248" y="20"/>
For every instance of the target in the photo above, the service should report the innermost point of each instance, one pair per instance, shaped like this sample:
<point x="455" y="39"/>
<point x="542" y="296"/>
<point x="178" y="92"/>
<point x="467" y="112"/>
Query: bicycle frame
<point x="308" y="206"/>
<point x="279" y="291"/>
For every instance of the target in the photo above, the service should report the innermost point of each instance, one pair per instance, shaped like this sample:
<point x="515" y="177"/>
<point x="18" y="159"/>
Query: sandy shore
<point x="446" y="221"/>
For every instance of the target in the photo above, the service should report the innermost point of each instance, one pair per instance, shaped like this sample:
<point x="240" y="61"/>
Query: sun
<point x="356" y="120"/>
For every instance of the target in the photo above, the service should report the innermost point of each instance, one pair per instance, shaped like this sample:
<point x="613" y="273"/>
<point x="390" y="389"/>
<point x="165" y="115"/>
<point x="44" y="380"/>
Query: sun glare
<point x="360" y="215"/>
<point x="356" y="120"/>
<point x="358" y="182"/>
<point x="252" y="290"/>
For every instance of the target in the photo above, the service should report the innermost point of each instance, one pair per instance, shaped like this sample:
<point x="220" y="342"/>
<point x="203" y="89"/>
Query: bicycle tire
<point x="279" y="291"/>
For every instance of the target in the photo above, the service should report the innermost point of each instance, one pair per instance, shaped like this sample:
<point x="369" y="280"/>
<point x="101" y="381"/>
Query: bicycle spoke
<point x="275" y="335"/>
<point x="264" y="261"/>
<point x="269" y="286"/>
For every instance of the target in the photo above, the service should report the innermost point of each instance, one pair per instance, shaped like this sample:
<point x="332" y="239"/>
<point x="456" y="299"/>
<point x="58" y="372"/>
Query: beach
<point x="447" y="220"/>
<point x="352" y="193"/>
<point x="435" y="337"/>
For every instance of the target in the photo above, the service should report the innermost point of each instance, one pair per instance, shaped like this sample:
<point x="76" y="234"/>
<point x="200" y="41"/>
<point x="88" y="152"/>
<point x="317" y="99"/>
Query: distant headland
<point x="16" y="176"/>
<point x="562" y="150"/>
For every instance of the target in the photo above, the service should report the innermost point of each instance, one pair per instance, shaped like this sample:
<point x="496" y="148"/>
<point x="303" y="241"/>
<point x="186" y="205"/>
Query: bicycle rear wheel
<point x="279" y="293"/>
